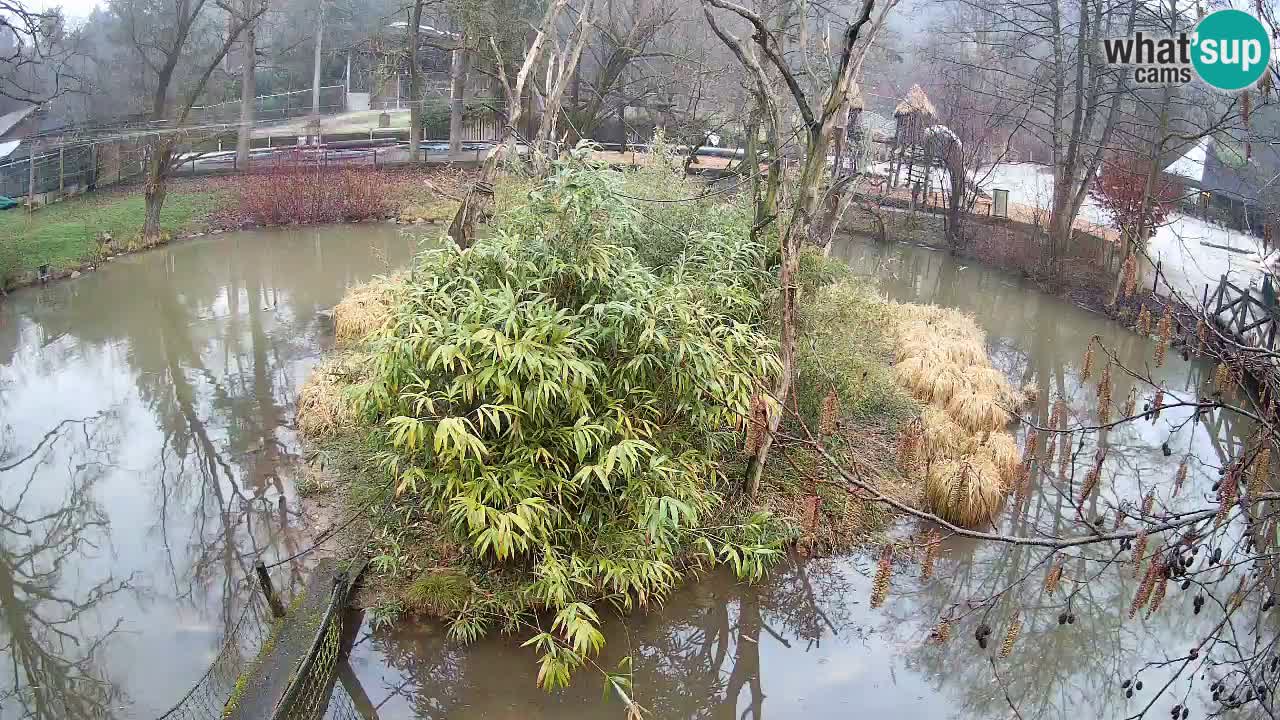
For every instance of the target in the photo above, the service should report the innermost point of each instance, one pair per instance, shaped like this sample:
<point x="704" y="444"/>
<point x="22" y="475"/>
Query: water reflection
<point x="803" y="644"/>
<point x="48" y="638"/>
<point x="193" y="354"/>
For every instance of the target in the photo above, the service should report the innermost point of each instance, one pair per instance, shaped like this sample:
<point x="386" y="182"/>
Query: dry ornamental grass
<point x="971" y="459"/>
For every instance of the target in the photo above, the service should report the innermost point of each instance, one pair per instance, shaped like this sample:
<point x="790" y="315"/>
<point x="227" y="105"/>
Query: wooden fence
<point x="1242" y="314"/>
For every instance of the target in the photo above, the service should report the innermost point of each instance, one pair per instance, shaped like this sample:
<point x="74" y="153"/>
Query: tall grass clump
<point x="969" y="460"/>
<point x="561" y="409"/>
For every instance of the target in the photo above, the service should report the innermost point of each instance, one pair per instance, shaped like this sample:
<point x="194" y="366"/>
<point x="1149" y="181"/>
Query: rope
<point x="321" y="539"/>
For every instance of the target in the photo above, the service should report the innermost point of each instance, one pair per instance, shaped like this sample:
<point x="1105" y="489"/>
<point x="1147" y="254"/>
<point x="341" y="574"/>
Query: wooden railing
<point x="1242" y="314"/>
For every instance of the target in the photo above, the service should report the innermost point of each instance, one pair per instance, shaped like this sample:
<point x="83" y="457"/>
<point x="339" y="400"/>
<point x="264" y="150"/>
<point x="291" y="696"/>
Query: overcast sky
<point x="71" y="8"/>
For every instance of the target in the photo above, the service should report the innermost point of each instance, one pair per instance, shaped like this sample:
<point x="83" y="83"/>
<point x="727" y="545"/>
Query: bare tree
<point x="1046" y="55"/>
<point x="801" y="224"/>
<point x="562" y="64"/>
<point x="479" y="199"/>
<point x="36" y="57"/>
<point x="248" y="87"/>
<point x="181" y="42"/>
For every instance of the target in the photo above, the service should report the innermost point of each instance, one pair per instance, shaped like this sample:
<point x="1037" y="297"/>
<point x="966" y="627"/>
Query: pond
<point x="147" y="459"/>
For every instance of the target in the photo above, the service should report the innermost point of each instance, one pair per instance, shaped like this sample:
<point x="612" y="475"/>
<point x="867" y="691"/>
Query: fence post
<point x="268" y="590"/>
<point x="31" y="175"/>
<point x="62" y="170"/>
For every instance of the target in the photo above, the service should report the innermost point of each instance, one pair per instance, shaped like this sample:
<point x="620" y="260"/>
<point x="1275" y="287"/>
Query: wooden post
<point x="269" y="591"/>
<point x="31" y="175"/>
<point x="62" y="170"/>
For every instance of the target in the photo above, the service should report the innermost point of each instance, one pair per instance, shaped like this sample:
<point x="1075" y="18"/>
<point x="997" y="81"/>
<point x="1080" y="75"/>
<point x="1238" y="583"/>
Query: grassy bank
<point x="65" y="235"/>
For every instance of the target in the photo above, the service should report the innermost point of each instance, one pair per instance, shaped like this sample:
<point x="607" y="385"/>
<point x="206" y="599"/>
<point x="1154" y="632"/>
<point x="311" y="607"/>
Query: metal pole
<point x="268" y="590"/>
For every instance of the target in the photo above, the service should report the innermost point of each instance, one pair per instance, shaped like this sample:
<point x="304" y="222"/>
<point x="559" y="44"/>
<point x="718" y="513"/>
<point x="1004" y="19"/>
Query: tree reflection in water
<point x="699" y="656"/>
<point x="53" y="663"/>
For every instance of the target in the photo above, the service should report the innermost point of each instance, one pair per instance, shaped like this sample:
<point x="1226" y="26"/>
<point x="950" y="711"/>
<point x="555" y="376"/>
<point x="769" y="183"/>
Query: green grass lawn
<point x="63" y="235"/>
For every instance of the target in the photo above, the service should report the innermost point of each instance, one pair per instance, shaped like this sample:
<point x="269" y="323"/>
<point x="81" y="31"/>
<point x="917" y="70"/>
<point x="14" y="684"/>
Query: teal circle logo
<point x="1231" y="50"/>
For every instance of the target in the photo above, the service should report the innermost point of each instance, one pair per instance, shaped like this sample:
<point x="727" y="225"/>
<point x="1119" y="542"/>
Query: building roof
<point x="1191" y="165"/>
<point x="10" y="120"/>
<point x="915" y="101"/>
<point x="876" y="123"/>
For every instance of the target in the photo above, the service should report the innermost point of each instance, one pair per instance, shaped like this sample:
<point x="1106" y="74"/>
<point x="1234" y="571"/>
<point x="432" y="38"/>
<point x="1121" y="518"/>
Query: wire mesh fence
<point x="279" y="106"/>
<point x="208" y="698"/>
<point x="307" y="695"/>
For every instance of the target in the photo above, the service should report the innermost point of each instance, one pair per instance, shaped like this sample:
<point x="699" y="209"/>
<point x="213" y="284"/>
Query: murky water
<point x="147" y="459"/>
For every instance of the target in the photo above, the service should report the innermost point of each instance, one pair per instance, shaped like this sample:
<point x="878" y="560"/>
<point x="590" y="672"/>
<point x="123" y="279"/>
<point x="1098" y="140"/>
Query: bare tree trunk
<point x="415" y="84"/>
<point x="479" y="199"/>
<point x="457" y="98"/>
<point x="155" y="189"/>
<point x="543" y="144"/>
<point x="315" y="61"/>
<point x="248" y="95"/>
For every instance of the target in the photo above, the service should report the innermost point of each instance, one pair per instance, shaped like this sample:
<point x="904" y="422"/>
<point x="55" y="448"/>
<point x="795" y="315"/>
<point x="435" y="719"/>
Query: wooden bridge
<point x="1251" y="321"/>
<point x="1243" y="315"/>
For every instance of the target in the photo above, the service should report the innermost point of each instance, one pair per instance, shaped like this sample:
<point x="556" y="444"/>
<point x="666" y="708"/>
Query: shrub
<point x="563" y="409"/>
<point x="307" y="192"/>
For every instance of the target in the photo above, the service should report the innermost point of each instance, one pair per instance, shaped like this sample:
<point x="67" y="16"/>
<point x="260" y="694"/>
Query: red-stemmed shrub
<point x="1119" y="191"/>
<point x="300" y="190"/>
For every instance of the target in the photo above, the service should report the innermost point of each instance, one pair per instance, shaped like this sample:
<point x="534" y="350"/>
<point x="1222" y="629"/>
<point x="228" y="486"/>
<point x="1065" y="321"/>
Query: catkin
<point x="1180" y="478"/>
<point x="1144" y="590"/>
<point x="1139" y="549"/>
<point x="1011" y="635"/>
<point x="1131" y="403"/>
<point x="910" y="442"/>
<point x="931" y="543"/>
<point x="757" y="421"/>
<point x="1129" y="275"/>
<point x="1202" y="333"/>
<point x="1104" y="395"/>
<point x="1144" y="320"/>
<point x="884" y="571"/>
<point x="1261" y="473"/>
<point x="1164" y="334"/>
<point x="1221" y="378"/>
<point x="1064" y="454"/>
<point x="942" y="633"/>
<point x="1053" y="578"/>
<point x="1227" y="494"/>
<point x="1148" y="503"/>
<point x="1090" y="484"/>
<point x="1157" y="595"/>
<point x="1157" y="402"/>
<point x="830" y="414"/>
<point x="1087" y="368"/>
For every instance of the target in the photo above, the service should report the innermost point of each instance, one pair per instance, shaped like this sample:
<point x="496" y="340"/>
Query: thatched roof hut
<point x="915" y="102"/>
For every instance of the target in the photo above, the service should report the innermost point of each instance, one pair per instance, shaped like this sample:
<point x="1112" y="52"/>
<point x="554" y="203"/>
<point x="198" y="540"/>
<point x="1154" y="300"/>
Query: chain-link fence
<point x="73" y="168"/>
